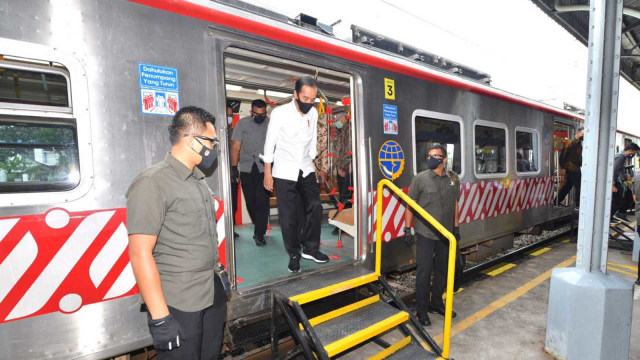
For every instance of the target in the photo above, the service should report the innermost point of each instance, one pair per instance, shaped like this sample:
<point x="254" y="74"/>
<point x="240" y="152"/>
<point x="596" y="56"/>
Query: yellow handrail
<point x="451" y="268"/>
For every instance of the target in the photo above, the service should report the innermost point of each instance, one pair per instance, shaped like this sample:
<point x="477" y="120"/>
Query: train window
<point x="37" y="157"/>
<point x="431" y="128"/>
<point x="490" y="147"/>
<point x="33" y="87"/>
<point x="526" y="150"/>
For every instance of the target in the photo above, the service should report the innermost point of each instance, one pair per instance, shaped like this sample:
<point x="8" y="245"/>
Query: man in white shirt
<point x="293" y="133"/>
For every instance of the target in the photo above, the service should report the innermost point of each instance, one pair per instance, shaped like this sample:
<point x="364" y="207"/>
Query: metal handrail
<point x="451" y="268"/>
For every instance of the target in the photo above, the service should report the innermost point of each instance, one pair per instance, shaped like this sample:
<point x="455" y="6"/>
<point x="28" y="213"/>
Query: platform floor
<point x="260" y="264"/>
<point x="503" y="315"/>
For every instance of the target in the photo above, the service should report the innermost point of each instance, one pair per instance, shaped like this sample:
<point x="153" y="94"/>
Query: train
<point x="88" y="88"/>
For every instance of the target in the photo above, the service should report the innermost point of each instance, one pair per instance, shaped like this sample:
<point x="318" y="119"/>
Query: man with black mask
<point x="246" y="146"/>
<point x="619" y="177"/>
<point x="437" y="191"/>
<point x="173" y="243"/>
<point x="571" y="161"/>
<point x="291" y="146"/>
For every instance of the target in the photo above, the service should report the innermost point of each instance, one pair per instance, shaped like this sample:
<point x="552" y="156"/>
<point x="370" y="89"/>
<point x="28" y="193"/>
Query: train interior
<point x="250" y="76"/>
<point x="562" y="133"/>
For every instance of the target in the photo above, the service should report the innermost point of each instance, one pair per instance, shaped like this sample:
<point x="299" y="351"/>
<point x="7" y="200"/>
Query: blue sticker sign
<point x="390" y="119"/>
<point x="391" y="159"/>
<point x="159" y="89"/>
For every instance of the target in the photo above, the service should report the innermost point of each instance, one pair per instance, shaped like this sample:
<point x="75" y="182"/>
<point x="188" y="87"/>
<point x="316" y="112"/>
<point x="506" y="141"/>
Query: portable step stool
<point x="376" y="311"/>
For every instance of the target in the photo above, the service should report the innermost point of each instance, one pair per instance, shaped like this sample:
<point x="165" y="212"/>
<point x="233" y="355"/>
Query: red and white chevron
<point x="61" y="260"/>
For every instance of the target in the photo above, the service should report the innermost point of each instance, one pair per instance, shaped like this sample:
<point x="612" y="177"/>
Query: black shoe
<point x="235" y="234"/>
<point x="259" y="239"/>
<point x="440" y="310"/>
<point x="335" y="231"/>
<point x="294" y="263"/>
<point x="316" y="256"/>
<point x="637" y="282"/>
<point x="423" y="319"/>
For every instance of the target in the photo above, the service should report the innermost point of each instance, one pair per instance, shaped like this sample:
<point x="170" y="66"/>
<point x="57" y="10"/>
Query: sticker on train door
<point x="391" y="160"/>
<point x="389" y="89"/>
<point x="390" y="119"/>
<point x="159" y="89"/>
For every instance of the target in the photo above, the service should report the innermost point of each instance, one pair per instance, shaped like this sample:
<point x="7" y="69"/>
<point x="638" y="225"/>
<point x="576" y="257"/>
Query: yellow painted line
<point x="622" y="272"/>
<point x="539" y="251"/>
<point x="498" y="269"/>
<point x="343" y="310"/>
<point x="391" y="349"/>
<point x="503" y="301"/>
<point x="352" y="340"/>
<point x="565" y="241"/>
<point x="334" y="289"/>
<point x="623" y="266"/>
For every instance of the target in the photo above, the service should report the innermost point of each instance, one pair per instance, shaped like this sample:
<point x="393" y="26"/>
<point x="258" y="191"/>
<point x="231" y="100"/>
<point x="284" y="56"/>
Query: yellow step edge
<point x="333" y="289"/>
<point x="343" y="310"/>
<point x="391" y="349"/>
<point x="352" y="340"/>
<point x="498" y="269"/>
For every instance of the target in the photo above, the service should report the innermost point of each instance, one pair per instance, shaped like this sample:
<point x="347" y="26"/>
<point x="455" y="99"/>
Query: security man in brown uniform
<point x="437" y="191"/>
<point x="173" y="243"/>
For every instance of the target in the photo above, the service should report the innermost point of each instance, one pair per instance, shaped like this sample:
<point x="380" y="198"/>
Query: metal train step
<point x="361" y="324"/>
<point x="404" y="349"/>
<point x="318" y="286"/>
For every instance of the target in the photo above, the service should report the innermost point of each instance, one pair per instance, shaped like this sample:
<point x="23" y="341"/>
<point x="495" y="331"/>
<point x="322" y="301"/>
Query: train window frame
<point x="34" y="57"/>
<point x="497" y="125"/>
<point x="515" y="149"/>
<point x="442" y="117"/>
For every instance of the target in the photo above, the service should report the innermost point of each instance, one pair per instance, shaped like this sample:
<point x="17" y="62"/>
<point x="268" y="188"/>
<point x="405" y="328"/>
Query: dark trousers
<point x="573" y="180"/>
<point x="427" y="295"/>
<point x="343" y="187"/>
<point x="617" y="199"/>
<point x="234" y="200"/>
<point x="257" y="199"/>
<point x="289" y="193"/>
<point x="203" y="330"/>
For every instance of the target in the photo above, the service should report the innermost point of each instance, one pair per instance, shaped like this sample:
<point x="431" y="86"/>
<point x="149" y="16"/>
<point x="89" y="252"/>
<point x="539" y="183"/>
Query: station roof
<point x="573" y="15"/>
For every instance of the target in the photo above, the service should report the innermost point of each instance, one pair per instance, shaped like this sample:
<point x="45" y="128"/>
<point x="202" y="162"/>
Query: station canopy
<point x="573" y="15"/>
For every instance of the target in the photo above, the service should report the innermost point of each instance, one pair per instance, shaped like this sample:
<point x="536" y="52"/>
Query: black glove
<point x="235" y="174"/>
<point x="409" y="238"/>
<point x="166" y="333"/>
<point x="224" y="279"/>
<point x="456" y="234"/>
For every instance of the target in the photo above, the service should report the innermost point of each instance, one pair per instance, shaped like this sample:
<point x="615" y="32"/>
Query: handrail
<point x="451" y="268"/>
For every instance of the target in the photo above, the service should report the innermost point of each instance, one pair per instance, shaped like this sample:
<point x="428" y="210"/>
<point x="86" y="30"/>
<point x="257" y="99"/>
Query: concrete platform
<point x="502" y="314"/>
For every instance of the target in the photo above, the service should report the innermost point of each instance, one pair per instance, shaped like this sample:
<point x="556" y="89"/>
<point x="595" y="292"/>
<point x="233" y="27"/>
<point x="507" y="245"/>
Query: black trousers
<point x="257" y="199"/>
<point x="617" y="199"/>
<point x="343" y="187"/>
<point x="203" y="330"/>
<point x="427" y="295"/>
<point x="234" y="200"/>
<point x="289" y="193"/>
<point x="574" y="179"/>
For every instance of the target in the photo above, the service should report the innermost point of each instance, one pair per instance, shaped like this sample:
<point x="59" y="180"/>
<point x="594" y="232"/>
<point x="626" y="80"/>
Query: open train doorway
<point x="256" y="84"/>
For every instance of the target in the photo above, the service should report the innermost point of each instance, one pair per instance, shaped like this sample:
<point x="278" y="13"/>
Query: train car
<point x="87" y="89"/>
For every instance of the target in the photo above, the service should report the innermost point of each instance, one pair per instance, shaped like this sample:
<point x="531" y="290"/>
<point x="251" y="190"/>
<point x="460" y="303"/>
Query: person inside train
<point x="289" y="149"/>
<point x="620" y="176"/>
<point x="343" y="159"/>
<point x="522" y="163"/>
<point x="173" y="243"/>
<point x="571" y="161"/>
<point x="235" y="178"/>
<point x="247" y="144"/>
<point x="437" y="190"/>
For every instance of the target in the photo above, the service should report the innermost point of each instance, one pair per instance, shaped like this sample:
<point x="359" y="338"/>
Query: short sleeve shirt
<point x="437" y="195"/>
<point x="252" y="136"/>
<point x="174" y="203"/>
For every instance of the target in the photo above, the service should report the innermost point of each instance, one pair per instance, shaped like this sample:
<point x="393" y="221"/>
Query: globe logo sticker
<point x="391" y="160"/>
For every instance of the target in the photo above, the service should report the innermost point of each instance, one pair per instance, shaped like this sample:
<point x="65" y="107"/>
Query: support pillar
<point x="589" y="314"/>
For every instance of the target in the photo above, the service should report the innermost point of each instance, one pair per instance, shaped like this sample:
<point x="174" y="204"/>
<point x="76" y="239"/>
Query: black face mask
<point x="433" y="162"/>
<point x="208" y="156"/>
<point x="581" y="138"/>
<point x="304" y="107"/>
<point x="630" y="156"/>
<point x="259" y="119"/>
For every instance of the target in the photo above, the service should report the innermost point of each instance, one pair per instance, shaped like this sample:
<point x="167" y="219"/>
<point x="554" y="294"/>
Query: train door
<point x="562" y="133"/>
<point x="254" y="78"/>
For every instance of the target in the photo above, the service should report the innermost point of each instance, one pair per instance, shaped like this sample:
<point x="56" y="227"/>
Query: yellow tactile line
<point x="352" y="340"/>
<point x="343" y="310"/>
<point x="333" y="289"/>
<point x="505" y="300"/>
<point x="622" y="271"/>
<point x="539" y="251"/>
<point x="623" y="266"/>
<point x="498" y="269"/>
<point x="391" y="349"/>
